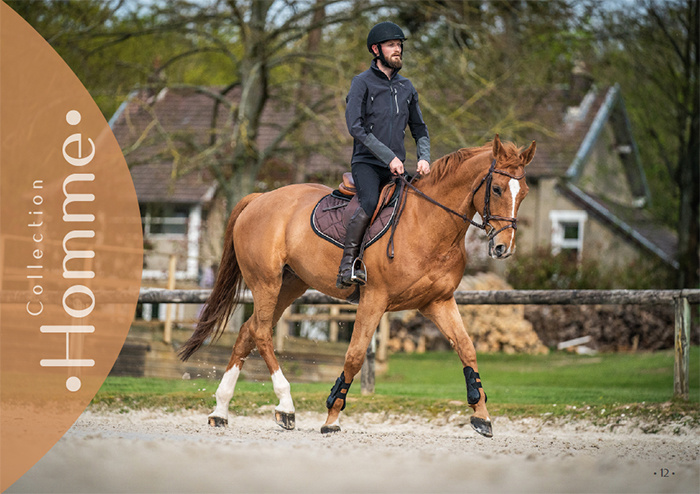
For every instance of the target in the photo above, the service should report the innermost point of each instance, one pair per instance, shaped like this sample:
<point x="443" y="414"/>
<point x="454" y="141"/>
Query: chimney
<point x="581" y="82"/>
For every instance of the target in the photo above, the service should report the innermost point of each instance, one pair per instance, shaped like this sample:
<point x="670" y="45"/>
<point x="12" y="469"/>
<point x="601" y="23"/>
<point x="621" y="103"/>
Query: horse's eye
<point x="497" y="190"/>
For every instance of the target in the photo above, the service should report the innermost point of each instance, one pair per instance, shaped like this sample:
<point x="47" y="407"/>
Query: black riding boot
<point x="353" y="240"/>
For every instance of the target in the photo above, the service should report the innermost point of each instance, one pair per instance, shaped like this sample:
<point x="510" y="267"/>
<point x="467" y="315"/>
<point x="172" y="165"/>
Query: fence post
<point x="168" y="329"/>
<point x="282" y="329"/>
<point x="334" y="327"/>
<point x="384" y="327"/>
<point x="681" y="370"/>
<point x="367" y="377"/>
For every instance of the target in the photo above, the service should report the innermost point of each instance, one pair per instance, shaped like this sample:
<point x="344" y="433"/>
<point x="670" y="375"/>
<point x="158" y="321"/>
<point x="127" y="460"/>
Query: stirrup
<point x="358" y="274"/>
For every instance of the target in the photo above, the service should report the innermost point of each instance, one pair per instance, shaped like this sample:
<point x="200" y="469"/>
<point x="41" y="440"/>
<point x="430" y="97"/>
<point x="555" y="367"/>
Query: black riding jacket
<point x="377" y="112"/>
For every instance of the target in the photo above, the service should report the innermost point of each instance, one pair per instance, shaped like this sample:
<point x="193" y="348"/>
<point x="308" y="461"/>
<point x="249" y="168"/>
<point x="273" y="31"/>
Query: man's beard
<point x="395" y="62"/>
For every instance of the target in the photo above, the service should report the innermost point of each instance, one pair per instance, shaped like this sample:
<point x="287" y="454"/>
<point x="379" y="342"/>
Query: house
<point x="588" y="189"/>
<point x="162" y="135"/>
<point x="587" y="185"/>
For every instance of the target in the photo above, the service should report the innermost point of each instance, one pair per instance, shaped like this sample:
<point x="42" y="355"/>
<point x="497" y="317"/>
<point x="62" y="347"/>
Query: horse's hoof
<point x="285" y="420"/>
<point x="327" y="429"/>
<point x="218" y="422"/>
<point x="482" y="426"/>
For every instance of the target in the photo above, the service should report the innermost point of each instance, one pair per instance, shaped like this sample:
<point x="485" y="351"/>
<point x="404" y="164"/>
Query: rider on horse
<point x="379" y="106"/>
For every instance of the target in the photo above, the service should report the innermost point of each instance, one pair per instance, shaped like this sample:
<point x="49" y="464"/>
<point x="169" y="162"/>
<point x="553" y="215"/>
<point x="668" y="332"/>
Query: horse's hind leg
<point x="249" y="336"/>
<point x="224" y="393"/>
<point x="266" y="314"/>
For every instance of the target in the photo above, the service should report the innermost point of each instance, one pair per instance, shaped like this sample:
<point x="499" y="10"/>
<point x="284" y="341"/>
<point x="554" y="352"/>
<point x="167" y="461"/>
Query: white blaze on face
<point x="514" y="186"/>
<point x="224" y="392"/>
<point x="283" y="392"/>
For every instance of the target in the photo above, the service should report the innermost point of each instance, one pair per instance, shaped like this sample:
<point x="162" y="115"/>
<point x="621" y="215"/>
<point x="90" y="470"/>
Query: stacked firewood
<point x="498" y="328"/>
<point x="611" y="328"/>
<point x="414" y="333"/>
<point x="493" y="328"/>
<point x="535" y="328"/>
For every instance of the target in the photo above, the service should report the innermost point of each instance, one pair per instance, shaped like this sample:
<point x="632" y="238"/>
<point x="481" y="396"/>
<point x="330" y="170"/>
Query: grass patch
<point x="544" y="379"/>
<point x="560" y="384"/>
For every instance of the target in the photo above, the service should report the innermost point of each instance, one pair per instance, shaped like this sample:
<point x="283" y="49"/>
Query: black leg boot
<point x="353" y="240"/>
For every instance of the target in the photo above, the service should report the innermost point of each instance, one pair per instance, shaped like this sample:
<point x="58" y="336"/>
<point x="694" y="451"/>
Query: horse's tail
<point x="225" y="295"/>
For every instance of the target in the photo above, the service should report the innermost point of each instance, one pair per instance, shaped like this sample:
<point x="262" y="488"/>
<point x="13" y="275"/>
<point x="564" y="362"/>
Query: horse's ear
<point x="527" y="155"/>
<point x="497" y="146"/>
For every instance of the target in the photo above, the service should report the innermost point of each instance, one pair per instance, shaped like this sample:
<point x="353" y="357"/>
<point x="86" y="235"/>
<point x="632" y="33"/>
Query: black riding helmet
<point x="384" y="31"/>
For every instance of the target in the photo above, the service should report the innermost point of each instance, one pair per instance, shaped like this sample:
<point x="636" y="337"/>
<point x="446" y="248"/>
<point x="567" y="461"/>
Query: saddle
<point x="332" y="213"/>
<point x="347" y="187"/>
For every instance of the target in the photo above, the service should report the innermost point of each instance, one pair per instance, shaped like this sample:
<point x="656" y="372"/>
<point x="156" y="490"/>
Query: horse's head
<point x="498" y="194"/>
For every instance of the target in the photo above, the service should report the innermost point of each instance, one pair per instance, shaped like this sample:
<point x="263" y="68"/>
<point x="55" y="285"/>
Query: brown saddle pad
<point x="329" y="218"/>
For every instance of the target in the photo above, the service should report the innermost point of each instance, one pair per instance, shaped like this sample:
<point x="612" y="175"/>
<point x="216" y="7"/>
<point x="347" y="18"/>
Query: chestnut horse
<point x="270" y="246"/>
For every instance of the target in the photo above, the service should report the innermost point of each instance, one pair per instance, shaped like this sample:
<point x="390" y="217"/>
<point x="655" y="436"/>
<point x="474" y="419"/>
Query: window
<point x="164" y="219"/>
<point x="567" y="231"/>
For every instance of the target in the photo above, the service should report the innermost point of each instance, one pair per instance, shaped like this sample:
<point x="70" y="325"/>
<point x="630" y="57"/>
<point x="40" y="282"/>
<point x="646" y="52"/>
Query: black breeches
<point x="369" y="180"/>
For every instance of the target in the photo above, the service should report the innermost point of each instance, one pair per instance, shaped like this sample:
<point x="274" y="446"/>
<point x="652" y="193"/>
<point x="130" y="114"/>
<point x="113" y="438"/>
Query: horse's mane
<point x="446" y="166"/>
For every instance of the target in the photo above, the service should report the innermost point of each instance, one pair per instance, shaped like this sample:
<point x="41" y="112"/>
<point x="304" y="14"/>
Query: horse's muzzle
<point x="499" y="250"/>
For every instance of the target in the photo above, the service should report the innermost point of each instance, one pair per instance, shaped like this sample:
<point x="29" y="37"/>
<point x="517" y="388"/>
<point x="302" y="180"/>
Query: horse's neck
<point x="454" y="192"/>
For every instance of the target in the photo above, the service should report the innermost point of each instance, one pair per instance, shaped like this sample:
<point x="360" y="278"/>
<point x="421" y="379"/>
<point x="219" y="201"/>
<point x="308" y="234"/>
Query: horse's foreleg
<point x="365" y="324"/>
<point x="224" y="393"/>
<point x="445" y="315"/>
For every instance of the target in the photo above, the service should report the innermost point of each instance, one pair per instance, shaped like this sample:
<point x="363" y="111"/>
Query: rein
<point x="486" y="216"/>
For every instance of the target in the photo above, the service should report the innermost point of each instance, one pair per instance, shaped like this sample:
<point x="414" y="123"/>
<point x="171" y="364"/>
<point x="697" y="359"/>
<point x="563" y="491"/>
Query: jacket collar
<point x="378" y="71"/>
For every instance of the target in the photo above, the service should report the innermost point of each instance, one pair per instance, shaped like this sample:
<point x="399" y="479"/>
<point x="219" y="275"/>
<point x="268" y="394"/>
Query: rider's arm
<point x="354" y="117"/>
<point x="419" y="130"/>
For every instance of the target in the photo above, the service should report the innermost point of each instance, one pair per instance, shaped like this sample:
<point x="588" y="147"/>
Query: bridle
<point x="486" y="216"/>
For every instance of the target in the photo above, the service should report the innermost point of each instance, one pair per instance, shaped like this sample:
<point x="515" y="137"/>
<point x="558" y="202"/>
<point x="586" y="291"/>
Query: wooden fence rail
<point x="680" y="299"/>
<point x="476" y="297"/>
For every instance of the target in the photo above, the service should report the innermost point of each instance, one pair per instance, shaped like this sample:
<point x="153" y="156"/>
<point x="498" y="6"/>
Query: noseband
<point x="487" y="216"/>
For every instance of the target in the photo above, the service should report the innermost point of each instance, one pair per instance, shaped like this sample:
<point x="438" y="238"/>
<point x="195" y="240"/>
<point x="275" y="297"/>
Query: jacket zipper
<point x="391" y="120"/>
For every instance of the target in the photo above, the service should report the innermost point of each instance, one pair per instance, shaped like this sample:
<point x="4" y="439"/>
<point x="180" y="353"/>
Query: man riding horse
<point x="269" y="237"/>
<point x="379" y="106"/>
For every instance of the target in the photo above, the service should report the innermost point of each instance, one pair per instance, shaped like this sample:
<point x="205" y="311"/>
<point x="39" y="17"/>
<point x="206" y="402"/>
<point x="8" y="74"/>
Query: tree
<point x="490" y="64"/>
<point x="658" y="43"/>
<point x="480" y="67"/>
<point x="261" y="38"/>
<point x="252" y="47"/>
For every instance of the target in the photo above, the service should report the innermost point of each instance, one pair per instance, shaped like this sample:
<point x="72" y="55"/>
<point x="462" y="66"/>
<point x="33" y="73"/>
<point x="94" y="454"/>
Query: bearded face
<point x="392" y="52"/>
